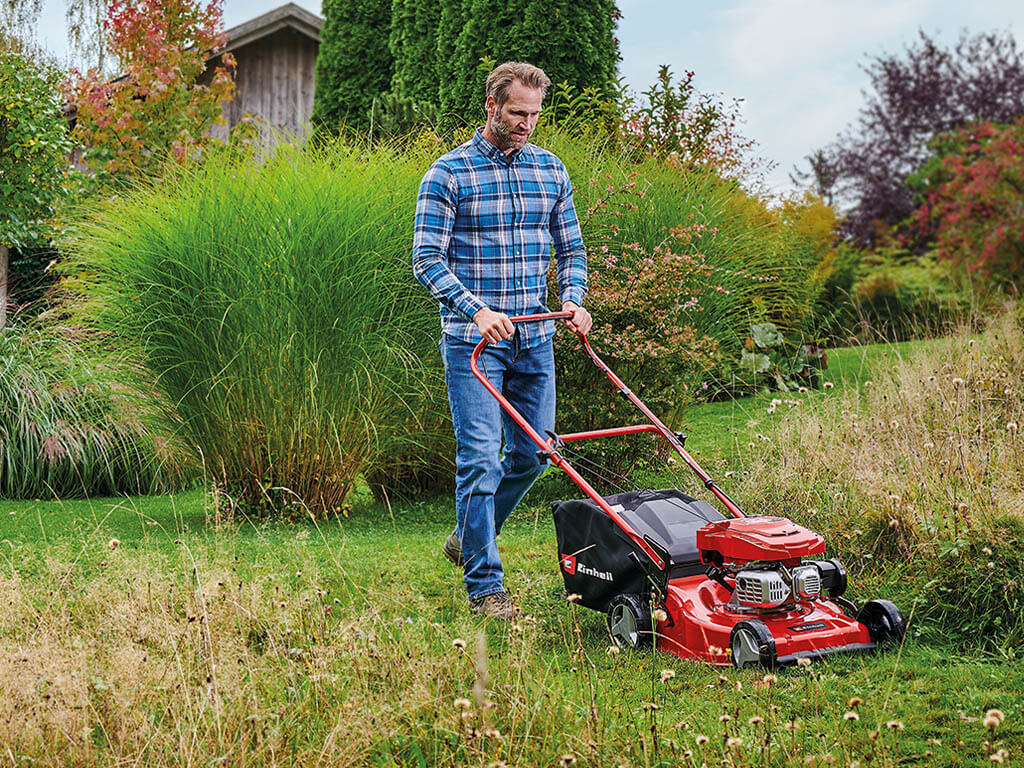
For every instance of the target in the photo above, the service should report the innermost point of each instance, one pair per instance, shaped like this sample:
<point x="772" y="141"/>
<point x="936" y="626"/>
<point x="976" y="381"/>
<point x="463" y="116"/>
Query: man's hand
<point x="581" y="321"/>
<point x="493" y="326"/>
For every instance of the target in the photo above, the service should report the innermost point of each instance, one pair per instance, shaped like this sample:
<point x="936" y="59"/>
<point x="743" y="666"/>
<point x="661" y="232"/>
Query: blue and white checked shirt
<point x="485" y="225"/>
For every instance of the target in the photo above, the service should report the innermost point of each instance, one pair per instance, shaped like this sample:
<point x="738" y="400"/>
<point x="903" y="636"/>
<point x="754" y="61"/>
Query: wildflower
<point x="667" y="674"/>
<point x="993" y="718"/>
<point x="660" y="615"/>
<point x="612" y="650"/>
<point x="701" y="740"/>
<point x="114" y="543"/>
<point x="999" y="756"/>
<point x="714" y="650"/>
<point x="459" y="643"/>
<point x="770" y="679"/>
<point x="492" y="733"/>
<point x="851" y="716"/>
<point x="734" y="742"/>
<point x="894" y="424"/>
<point x="803" y="662"/>
<point x="567" y="759"/>
<point x="651" y="706"/>
<point x="1011" y="426"/>
<point x="957" y="381"/>
<point x="929" y="444"/>
<point x="756" y="720"/>
<point x="792" y="726"/>
<point x="724" y="718"/>
<point x="461" y="703"/>
<point x="855" y="702"/>
<point x="867" y="384"/>
<point x="894" y="725"/>
<point x="828" y="385"/>
<point x="575" y="597"/>
<point x="990" y="565"/>
<point x="801" y="389"/>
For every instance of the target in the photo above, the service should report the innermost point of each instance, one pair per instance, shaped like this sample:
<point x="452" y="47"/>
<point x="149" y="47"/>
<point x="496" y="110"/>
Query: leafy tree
<point x="34" y="168"/>
<point x="972" y="200"/>
<point x="157" y="109"/>
<point x="925" y="91"/>
<point x="354" y="65"/>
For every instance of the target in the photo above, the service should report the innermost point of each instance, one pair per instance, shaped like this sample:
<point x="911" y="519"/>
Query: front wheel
<point x="629" y="622"/>
<point x="752" y="645"/>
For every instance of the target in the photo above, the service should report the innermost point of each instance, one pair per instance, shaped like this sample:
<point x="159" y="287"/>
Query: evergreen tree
<point x="354" y="66"/>
<point x="572" y="42"/>
<point x="413" y="44"/>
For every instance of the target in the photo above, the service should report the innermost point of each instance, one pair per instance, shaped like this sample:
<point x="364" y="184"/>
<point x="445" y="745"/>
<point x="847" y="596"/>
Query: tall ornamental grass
<point x="70" y="426"/>
<point x="275" y="306"/>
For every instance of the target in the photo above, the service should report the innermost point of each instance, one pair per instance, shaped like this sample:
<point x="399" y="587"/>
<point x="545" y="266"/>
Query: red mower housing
<point x="674" y="573"/>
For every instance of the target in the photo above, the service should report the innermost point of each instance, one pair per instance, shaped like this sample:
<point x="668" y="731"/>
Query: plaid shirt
<point x="485" y="225"/>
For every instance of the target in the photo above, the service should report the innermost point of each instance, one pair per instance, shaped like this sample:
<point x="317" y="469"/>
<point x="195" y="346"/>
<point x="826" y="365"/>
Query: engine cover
<point x="749" y="539"/>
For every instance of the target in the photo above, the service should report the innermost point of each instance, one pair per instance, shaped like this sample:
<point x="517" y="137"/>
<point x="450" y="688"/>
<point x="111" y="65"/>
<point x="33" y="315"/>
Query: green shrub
<point x="275" y="306"/>
<point x="681" y="265"/>
<point x="70" y="427"/>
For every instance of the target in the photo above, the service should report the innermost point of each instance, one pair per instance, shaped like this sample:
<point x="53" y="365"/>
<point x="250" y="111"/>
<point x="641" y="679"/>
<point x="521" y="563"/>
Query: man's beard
<point x="503" y="133"/>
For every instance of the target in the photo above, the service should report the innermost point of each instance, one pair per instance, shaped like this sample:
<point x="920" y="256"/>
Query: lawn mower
<point x="674" y="573"/>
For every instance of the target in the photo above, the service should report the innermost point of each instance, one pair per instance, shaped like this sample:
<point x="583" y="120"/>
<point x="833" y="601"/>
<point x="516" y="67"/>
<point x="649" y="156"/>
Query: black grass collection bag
<point x="598" y="560"/>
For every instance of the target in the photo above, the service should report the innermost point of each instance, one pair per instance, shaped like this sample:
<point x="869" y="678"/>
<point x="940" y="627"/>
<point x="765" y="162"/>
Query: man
<point x="487" y="216"/>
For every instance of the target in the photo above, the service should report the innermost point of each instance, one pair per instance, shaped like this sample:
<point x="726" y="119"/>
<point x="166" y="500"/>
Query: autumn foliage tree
<point x="164" y="101"/>
<point x="973" y="199"/>
<point x="925" y="91"/>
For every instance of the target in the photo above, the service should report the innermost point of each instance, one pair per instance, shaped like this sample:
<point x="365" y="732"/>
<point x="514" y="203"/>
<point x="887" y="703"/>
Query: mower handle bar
<point x="549" y="447"/>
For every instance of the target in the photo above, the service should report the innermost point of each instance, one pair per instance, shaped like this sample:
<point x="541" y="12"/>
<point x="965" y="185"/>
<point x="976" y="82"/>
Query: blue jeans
<point x="491" y="478"/>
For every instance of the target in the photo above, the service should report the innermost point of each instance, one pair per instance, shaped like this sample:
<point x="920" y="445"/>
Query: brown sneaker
<point x="452" y="549"/>
<point x="497" y="606"/>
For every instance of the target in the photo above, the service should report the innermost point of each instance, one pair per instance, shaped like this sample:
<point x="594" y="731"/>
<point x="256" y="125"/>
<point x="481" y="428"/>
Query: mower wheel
<point x="884" y="622"/>
<point x="752" y="645"/>
<point x="629" y="622"/>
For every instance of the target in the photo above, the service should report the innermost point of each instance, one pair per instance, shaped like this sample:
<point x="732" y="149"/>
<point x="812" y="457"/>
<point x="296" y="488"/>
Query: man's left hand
<point x="581" y="321"/>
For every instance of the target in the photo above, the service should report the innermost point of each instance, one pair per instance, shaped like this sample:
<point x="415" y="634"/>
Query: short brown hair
<point x="501" y="77"/>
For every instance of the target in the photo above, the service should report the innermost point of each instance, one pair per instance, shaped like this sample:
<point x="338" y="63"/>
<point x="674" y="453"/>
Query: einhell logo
<point x="572" y="567"/>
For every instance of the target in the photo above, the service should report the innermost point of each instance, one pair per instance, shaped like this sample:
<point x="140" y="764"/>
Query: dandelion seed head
<point x="770" y="679"/>
<point x="803" y="662"/>
<point x="459" y="643"/>
<point x="461" y="703"/>
<point x="660" y="615"/>
<point x="667" y="674"/>
<point x="734" y="742"/>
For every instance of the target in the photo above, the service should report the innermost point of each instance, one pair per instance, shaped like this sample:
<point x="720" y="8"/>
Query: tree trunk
<point x="3" y="284"/>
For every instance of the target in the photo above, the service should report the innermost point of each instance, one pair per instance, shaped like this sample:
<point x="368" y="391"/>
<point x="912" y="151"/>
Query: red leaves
<point x="973" y="212"/>
<point x="154" y="110"/>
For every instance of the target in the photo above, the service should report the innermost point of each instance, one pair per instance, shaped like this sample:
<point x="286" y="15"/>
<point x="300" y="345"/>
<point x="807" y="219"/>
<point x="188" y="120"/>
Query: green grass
<point x="390" y="580"/>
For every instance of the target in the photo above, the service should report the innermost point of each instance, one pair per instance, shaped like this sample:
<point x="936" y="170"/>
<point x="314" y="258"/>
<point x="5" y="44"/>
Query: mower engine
<point x="763" y="558"/>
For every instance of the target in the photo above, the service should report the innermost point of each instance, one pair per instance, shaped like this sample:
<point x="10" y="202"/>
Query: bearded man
<point x="488" y="216"/>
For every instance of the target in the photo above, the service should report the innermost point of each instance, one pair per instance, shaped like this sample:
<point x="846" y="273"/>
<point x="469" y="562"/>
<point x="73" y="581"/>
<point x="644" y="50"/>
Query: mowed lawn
<point x="152" y="631"/>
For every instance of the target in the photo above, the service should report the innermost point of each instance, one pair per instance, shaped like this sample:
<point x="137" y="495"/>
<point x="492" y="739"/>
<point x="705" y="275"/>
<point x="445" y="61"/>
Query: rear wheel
<point x="752" y="645"/>
<point x="884" y="622"/>
<point x="629" y="622"/>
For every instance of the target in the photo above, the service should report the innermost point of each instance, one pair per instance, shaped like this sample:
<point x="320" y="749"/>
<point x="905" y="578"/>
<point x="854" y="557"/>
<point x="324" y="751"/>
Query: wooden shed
<point x="276" y="71"/>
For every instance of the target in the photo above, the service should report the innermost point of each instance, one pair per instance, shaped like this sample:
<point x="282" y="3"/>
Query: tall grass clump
<point x="71" y="426"/>
<point x="919" y="475"/>
<point x="275" y="306"/>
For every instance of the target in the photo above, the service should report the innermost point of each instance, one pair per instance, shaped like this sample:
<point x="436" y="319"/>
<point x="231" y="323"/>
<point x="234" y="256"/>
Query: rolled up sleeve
<point x="570" y="253"/>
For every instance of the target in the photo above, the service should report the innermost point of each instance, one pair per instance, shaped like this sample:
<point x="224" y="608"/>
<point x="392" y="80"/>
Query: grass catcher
<point x="672" y="572"/>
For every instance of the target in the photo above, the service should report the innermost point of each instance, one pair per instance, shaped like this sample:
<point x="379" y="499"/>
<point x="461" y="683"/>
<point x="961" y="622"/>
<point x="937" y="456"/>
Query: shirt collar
<point x="493" y="152"/>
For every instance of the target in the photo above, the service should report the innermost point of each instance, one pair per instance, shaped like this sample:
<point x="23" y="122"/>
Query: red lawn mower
<point x="673" y="572"/>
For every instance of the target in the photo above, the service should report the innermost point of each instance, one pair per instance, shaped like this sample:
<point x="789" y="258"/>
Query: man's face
<point x="514" y="121"/>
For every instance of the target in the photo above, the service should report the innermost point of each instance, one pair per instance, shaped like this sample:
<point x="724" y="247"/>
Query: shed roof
<point x="288" y="16"/>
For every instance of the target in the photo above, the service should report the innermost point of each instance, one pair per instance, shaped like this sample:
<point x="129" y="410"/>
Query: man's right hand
<point x="493" y="326"/>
